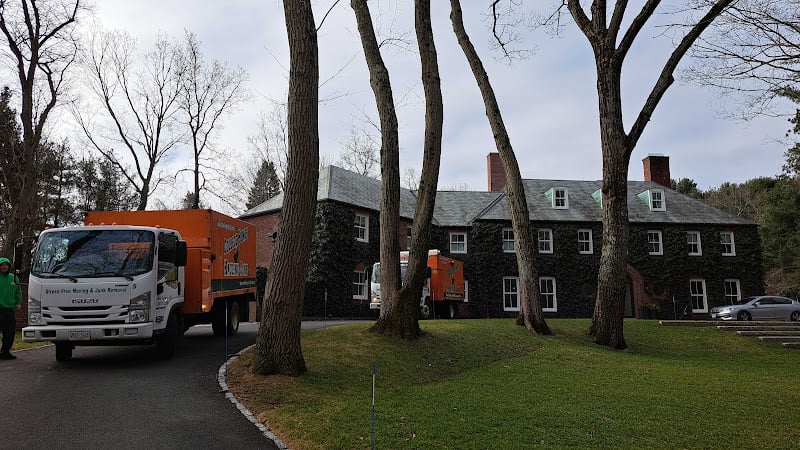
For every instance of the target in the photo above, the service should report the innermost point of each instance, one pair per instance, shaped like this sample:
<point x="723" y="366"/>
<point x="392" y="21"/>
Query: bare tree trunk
<point x="140" y="107"/>
<point x="42" y="47"/>
<point x="278" y="349"/>
<point x="607" y="320"/>
<point x="405" y="316"/>
<point x="208" y="91"/>
<point x="531" y="315"/>
<point x="617" y="145"/>
<point x="390" y="165"/>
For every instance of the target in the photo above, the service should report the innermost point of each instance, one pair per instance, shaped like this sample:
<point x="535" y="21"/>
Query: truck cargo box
<point x="221" y="256"/>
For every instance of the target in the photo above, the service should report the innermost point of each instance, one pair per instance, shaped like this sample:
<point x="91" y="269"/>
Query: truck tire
<point x="426" y="310"/>
<point x="218" y="323"/>
<point x="165" y="344"/>
<point x="233" y="318"/>
<point x="64" y="351"/>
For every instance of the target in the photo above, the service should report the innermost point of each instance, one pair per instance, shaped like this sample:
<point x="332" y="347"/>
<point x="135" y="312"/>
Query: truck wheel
<point x="165" y="344"/>
<point x="218" y="324"/>
<point x="426" y="310"/>
<point x="64" y="351"/>
<point x="233" y="318"/>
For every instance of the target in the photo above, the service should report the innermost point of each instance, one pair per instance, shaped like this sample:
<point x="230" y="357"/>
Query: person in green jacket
<point x="10" y="299"/>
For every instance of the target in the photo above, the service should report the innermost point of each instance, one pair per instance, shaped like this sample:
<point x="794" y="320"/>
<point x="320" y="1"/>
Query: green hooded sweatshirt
<point x="10" y="290"/>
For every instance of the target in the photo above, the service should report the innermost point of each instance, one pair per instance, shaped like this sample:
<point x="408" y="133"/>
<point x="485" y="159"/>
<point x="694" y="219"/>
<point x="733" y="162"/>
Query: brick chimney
<point x="494" y="169"/>
<point x="656" y="169"/>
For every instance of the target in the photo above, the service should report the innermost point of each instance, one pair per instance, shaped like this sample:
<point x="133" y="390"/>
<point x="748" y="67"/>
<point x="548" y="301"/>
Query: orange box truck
<point x="444" y="285"/>
<point x="140" y="277"/>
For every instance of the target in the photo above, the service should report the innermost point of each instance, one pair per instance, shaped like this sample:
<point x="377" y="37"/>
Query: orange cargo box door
<point x="198" y="281"/>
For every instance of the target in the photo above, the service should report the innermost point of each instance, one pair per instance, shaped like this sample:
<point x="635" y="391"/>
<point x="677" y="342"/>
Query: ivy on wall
<point x="664" y="276"/>
<point x="575" y="274"/>
<point x="336" y="254"/>
<point x="667" y="276"/>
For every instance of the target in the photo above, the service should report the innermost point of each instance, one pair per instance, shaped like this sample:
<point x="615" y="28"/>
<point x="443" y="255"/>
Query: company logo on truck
<point x="235" y="268"/>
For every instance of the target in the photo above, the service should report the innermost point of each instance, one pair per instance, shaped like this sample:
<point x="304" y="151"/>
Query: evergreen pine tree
<point x="265" y="186"/>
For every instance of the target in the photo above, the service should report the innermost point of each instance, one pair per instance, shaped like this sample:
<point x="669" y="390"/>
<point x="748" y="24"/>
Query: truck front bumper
<point x="88" y="333"/>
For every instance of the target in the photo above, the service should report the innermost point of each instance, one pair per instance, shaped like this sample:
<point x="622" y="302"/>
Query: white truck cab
<point x="106" y="285"/>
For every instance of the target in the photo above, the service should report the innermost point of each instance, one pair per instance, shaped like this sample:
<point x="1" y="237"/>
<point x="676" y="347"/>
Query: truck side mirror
<point x="180" y="254"/>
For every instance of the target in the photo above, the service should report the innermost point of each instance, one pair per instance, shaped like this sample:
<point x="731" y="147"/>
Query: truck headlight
<point x="34" y="311"/>
<point x="139" y="310"/>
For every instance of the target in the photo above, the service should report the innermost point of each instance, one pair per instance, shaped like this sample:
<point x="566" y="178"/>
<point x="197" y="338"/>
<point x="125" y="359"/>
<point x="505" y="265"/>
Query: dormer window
<point x="654" y="199"/>
<point x="657" y="202"/>
<point x="559" y="197"/>
<point x="598" y="197"/>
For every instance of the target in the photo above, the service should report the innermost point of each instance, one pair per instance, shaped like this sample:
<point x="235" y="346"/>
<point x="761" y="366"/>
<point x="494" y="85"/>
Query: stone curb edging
<point x="221" y="373"/>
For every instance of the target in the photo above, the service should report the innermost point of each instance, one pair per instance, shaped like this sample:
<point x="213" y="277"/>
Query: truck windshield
<point x="376" y="272"/>
<point x="93" y="253"/>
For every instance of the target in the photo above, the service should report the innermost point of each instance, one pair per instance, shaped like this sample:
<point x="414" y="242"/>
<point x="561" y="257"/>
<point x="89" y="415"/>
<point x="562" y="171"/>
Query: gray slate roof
<point x="341" y="185"/>
<point x="461" y="208"/>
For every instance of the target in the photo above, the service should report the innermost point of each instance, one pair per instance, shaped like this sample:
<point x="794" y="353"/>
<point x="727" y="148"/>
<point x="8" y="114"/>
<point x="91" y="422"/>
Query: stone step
<point x="758" y="328"/>
<point x="768" y="333"/>
<point x="780" y="338"/>
<point x="719" y="323"/>
<point x="687" y="323"/>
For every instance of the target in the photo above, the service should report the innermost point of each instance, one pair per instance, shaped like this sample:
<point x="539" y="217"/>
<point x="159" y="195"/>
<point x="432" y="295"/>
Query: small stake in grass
<point x="372" y="418"/>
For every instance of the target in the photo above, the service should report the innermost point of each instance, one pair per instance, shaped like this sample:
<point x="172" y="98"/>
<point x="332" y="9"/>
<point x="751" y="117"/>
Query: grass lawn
<point x="488" y="384"/>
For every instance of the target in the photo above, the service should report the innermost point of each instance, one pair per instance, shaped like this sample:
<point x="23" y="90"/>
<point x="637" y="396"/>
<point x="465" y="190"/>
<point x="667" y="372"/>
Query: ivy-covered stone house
<point x="684" y="256"/>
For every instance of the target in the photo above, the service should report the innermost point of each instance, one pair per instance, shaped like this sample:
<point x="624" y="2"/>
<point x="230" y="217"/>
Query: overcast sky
<point x="548" y="100"/>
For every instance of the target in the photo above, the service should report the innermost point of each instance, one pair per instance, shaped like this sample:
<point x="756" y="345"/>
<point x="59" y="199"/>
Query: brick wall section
<point x="254" y="310"/>
<point x="265" y="225"/>
<point x="22" y="313"/>
<point x="497" y="176"/>
<point x="656" y="169"/>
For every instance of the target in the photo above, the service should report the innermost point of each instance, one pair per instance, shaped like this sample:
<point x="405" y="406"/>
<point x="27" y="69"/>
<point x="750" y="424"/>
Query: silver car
<point x="765" y="307"/>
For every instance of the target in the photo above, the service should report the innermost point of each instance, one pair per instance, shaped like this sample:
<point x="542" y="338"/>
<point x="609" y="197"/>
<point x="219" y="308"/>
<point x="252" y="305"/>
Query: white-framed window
<point x="408" y="238"/>
<point x="466" y="291"/>
<point x="547" y="291"/>
<point x="510" y="294"/>
<point x="693" y="241"/>
<point x="728" y="246"/>
<point x="458" y="242"/>
<point x="733" y="292"/>
<point x="560" y="198"/>
<point x="508" y="240"/>
<point x="697" y="291"/>
<point x="360" y="286"/>
<point x="585" y="245"/>
<point x="545" y="240"/>
<point x="362" y="227"/>
<point x="654" y="245"/>
<point x="657" y="202"/>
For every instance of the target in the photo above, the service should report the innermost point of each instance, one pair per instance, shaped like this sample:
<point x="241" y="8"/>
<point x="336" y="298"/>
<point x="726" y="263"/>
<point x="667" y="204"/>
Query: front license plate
<point x="82" y="335"/>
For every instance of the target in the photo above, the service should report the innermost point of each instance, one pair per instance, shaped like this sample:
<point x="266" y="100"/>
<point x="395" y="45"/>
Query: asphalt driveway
<point x="124" y="397"/>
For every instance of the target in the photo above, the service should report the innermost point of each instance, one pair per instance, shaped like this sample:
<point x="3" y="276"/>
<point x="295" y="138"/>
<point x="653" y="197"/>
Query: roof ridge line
<point x="491" y="205"/>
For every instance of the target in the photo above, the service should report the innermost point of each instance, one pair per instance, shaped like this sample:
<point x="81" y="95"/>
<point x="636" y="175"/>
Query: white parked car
<point x="765" y="307"/>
